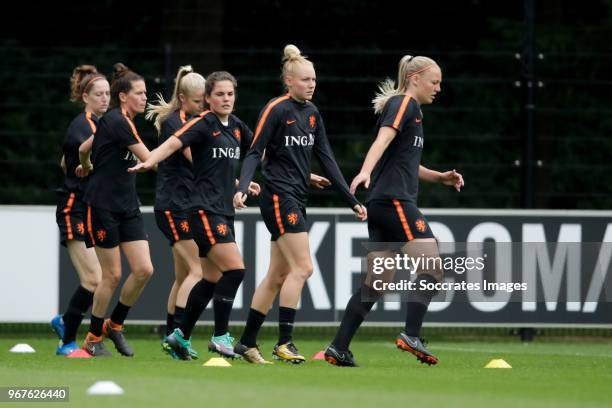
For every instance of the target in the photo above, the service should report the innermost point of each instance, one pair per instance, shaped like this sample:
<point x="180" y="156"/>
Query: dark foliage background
<point x="477" y="125"/>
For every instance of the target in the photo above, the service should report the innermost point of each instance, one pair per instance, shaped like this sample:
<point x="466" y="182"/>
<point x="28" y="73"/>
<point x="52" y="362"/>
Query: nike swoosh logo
<point x="418" y="120"/>
<point x="291" y="122"/>
<point x="217" y="133"/>
<point x="412" y="343"/>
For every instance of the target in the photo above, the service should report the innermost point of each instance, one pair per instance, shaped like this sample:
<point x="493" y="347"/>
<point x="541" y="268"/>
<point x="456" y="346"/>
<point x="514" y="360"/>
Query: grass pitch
<point x="544" y="374"/>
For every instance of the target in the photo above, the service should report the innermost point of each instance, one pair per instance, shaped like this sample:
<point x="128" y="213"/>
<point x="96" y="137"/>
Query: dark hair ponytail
<point x="121" y="82"/>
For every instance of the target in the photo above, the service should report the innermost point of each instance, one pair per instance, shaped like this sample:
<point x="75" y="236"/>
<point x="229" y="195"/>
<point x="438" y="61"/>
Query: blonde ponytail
<point x="186" y="82"/>
<point x="408" y="66"/>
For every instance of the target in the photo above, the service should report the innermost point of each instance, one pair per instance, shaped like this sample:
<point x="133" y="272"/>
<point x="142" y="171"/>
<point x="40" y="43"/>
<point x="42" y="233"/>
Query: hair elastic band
<point x="91" y="81"/>
<point x="425" y="68"/>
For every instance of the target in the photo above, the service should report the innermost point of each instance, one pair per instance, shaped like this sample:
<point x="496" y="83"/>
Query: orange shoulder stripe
<point x="189" y="124"/>
<point x="265" y="116"/>
<point x="134" y="131"/>
<point x="400" y="113"/>
<point x="91" y="122"/>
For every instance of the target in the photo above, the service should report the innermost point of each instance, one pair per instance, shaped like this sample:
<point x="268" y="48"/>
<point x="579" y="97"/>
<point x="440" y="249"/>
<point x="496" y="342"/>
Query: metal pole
<point x="528" y="156"/>
<point x="168" y="73"/>
<point x="529" y="84"/>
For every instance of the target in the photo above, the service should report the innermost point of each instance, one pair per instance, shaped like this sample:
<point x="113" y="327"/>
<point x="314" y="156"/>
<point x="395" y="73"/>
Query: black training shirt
<point x="216" y="150"/>
<point x="175" y="174"/>
<point x="396" y="175"/>
<point x="110" y="185"/>
<point x="289" y="132"/>
<point x="80" y="129"/>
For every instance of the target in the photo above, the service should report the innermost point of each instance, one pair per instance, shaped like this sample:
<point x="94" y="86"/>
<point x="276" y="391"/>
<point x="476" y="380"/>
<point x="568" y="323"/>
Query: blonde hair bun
<point x="291" y="52"/>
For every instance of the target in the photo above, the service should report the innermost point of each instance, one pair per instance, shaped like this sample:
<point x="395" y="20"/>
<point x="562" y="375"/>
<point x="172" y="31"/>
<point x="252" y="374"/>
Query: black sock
<point x="355" y="312"/>
<point x="224" y="298"/>
<point x="120" y="313"/>
<point x="253" y="324"/>
<point x="169" y="323"/>
<point x="416" y="307"/>
<point x="197" y="301"/>
<point x="415" y="314"/>
<point x="79" y="303"/>
<point x="95" y="327"/>
<point x="286" y="318"/>
<point x="179" y="313"/>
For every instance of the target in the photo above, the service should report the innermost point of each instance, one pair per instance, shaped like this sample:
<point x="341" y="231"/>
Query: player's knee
<point x="277" y="280"/>
<point x="303" y="271"/>
<point x="112" y="278"/>
<point x="213" y="276"/>
<point x="144" y="272"/>
<point x="179" y="279"/>
<point x="148" y="272"/>
<point x="91" y="282"/>
<point x="308" y="269"/>
<point x="195" y="272"/>
<point x="179" y="276"/>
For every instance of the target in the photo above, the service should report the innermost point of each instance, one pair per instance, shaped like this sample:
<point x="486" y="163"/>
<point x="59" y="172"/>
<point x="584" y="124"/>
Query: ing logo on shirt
<point x="222" y="229"/>
<point x="237" y="133"/>
<point x="226" y="152"/>
<point x="184" y="226"/>
<point x="129" y="155"/>
<point x="304" y="141"/>
<point x="292" y="218"/>
<point x="312" y="121"/>
<point x="420" y="225"/>
<point x="101" y="234"/>
<point x="80" y="228"/>
<point x="418" y="141"/>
